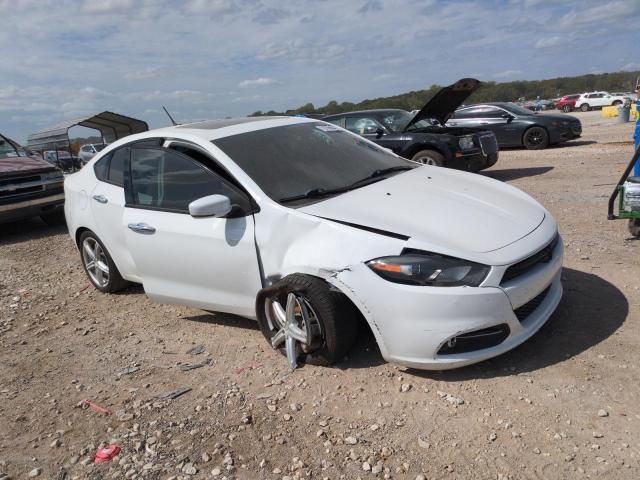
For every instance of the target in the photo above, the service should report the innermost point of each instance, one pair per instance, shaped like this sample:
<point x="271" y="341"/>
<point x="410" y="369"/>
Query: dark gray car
<point x="515" y="126"/>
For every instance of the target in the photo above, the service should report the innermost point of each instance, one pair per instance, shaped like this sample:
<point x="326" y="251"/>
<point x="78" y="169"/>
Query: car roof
<point x="213" y="129"/>
<point x="360" y="112"/>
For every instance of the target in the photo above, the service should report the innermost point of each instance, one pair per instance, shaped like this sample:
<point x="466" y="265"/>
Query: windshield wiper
<point x="313" y="193"/>
<point x="322" y="192"/>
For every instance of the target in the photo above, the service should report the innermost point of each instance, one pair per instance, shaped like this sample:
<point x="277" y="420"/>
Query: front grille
<point x="528" y="308"/>
<point x="17" y="186"/>
<point x="476" y="340"/>
<point x="488" y="144"/>
<point x="543" y="256"/>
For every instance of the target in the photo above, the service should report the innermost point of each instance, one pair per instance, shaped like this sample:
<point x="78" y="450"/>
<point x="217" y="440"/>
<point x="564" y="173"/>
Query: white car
<point x="306" y="228"/>
<point x="88" y="151"/>
<point x="587" y="101"/>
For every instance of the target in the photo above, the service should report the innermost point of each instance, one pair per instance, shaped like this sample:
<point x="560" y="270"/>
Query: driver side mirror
<point x="379" y="132"/>
<point x="210" y="206"/>
<point x="508" y="117"/>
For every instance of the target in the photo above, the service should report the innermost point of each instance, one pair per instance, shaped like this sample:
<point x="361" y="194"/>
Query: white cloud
<point x="145" y="73"/>
<point x="548" y="42"/>
<point x="258" y="82"/>
<point x="507" y="74"/>
<point x="631" y="67"/>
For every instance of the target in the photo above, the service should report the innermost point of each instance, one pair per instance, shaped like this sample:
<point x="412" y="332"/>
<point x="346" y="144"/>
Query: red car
<point x="567" y="103"/>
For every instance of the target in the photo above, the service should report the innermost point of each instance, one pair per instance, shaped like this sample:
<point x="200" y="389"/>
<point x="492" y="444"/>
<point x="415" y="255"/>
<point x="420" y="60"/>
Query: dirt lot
<point x="564" y="405"/>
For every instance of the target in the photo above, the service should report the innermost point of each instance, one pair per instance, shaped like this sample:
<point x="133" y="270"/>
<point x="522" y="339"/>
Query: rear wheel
<point x="535" y="138"/>
<point x="585" y="107"/>
<point x="634" y="227"/>
<point x="306" y="320"/>
<point x="429" y="157"/>
<point x="616" y="103"/>
<point x="98" y="264"/>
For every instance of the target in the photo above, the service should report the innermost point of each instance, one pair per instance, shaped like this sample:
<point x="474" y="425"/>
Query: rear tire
<point x="634" y="227"/>
<point x="429" y="157"/>
<point x="54" y="219"/>
<point x="585" y="107"/>
<point x="332" y="319"/>
<point x="98" y="264"/>
<point x="535" y="138"/>
<point x="616" y="103"/>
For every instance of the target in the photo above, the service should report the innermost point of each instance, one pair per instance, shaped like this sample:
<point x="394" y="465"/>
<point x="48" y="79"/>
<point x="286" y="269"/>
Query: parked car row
<point x="467" y="138"/>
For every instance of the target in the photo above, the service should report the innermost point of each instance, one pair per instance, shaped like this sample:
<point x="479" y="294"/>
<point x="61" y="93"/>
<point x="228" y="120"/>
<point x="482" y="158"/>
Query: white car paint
<point x="212" y="263"/>
<point x="599" y="99"/>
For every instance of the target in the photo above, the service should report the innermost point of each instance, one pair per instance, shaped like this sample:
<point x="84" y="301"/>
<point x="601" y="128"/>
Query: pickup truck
<point x="29" y="186"/>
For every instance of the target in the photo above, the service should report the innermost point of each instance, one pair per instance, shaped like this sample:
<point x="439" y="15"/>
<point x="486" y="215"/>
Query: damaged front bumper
<point x="418" y="326"/>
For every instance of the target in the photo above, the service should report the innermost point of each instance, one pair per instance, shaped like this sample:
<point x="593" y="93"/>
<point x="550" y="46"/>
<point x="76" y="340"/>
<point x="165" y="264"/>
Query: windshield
<point x="517" y="109"/>
<point x="7" y="150"/>
<point x="294" y="159"/>
<point x="398" y="121"/>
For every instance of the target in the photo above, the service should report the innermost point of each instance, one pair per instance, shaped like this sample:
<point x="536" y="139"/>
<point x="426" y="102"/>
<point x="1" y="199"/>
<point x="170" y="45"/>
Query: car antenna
<point x="169" y="115"/>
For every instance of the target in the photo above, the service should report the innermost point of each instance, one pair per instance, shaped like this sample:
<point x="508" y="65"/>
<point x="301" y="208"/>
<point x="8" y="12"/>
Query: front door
<point x="209" y="262"/>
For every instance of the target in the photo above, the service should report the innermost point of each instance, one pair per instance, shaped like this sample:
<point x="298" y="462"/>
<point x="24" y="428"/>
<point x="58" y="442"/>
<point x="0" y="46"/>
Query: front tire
<point x="306" y="320"/>
<point x="566" y="109"/>
<point x="585" y="107"/>
<point x="98" y="264"/>
<point x="429" y="157"/>
<point x="535" y="138"/>
<point x="634" y="227"/>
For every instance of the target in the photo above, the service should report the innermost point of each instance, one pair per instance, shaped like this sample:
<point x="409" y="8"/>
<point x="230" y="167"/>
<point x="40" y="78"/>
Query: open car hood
<point x="442" y="105"/>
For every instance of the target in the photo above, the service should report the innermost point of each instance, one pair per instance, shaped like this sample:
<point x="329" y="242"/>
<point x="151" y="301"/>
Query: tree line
<point x="488" y="92"/>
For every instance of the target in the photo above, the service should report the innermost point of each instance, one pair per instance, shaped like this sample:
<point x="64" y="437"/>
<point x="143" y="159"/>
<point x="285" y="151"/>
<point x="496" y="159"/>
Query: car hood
<point x="453" y="211"/>
<point x="442" y="105"/>
<point x="22" y="164"/>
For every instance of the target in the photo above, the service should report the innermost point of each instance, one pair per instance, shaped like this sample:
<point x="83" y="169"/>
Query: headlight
<point x="429" y="270"/>
<point x="466" y="143"/>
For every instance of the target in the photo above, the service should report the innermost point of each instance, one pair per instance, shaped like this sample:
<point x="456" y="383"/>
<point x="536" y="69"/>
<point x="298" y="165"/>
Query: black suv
<point x="423" y="137"/>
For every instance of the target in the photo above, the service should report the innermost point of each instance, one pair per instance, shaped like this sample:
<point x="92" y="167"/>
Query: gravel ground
<point x="563" y="405"/>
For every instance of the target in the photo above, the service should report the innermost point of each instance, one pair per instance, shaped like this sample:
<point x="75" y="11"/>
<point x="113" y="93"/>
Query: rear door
<point x="107" y="206"/>
<point x="210" y="263"/>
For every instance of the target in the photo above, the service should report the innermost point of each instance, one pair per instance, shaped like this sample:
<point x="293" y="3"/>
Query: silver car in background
<point x="87" y="151"/>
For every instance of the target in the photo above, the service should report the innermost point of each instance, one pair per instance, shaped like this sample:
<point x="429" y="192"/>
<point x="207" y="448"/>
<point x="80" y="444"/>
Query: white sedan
<point x="308" y="228"/>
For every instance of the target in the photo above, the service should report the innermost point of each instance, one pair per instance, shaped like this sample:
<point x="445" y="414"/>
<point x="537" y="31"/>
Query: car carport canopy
<point x="112" y="126"/>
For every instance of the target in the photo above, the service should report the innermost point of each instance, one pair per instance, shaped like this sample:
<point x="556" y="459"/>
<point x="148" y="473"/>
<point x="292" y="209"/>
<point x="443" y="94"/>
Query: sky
<point x="61" y="59"/>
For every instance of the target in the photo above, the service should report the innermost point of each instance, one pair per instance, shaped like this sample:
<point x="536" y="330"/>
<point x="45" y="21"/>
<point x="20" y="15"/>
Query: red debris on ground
<point x="107" y="453"/>
<point x="95" y="407"/>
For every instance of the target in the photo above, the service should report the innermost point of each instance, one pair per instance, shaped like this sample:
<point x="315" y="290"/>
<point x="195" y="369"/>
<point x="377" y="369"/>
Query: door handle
<point x="452" y="124"/>
<point x="100" y="199"/>
<point x="484" y="123"/>
<point x="142" y="228"/>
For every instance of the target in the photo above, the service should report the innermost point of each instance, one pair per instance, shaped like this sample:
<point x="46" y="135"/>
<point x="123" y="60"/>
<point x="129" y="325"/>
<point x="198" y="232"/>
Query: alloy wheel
<point x="534" y="137"/>
<point x="296" y="326"/>
<point x="95" y="261"/>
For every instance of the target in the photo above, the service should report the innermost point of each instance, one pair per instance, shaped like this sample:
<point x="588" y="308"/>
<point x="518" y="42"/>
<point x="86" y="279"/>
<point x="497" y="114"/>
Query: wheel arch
<point x="418" y="147"/>
<point x="78" y="234"/>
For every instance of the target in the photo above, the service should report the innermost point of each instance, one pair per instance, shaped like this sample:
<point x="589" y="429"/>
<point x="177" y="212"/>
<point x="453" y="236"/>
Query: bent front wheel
<point x="302" y="317"/>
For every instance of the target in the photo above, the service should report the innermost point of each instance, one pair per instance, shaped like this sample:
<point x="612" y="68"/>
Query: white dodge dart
<point x="308" y="229"/>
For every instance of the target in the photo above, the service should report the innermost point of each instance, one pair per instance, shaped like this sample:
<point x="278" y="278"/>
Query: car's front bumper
<point x="412" y="324"/>
<point x="33" y="207"/>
